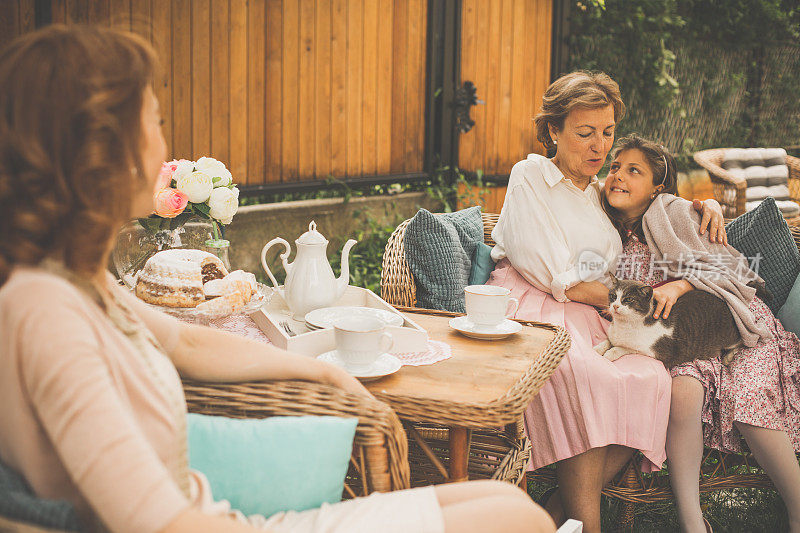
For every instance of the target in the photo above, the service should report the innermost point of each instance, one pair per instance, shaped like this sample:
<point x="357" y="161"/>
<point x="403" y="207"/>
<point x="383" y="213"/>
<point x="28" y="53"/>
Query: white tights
<point x="772" y="449"/>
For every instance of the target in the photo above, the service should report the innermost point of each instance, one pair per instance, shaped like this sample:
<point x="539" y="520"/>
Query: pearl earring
<point x="555" y="142"/>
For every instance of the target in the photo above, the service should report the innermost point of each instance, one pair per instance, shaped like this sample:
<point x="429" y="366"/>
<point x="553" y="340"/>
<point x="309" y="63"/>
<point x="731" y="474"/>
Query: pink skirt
<point x="589" y="401"/>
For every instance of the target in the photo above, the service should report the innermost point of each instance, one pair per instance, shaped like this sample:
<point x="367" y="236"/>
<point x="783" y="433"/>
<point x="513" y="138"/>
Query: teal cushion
<point x="482" y="264"/>
<point x="439" y="250"/>
<point x="273" y="464"/>
<point x="763" y="232"/>
<point x="789" y="315"/>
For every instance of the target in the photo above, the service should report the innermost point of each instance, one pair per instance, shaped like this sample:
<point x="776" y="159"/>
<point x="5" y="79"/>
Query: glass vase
<point x="219" y="247"/>
<point x="136" y="244"/>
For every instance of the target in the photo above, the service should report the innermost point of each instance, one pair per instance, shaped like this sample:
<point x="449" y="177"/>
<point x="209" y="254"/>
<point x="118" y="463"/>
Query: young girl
<point x="757" y="397"/>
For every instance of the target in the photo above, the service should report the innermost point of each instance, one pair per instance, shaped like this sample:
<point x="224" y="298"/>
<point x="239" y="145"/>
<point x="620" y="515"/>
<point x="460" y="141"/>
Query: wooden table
<point x="484" y="383"/>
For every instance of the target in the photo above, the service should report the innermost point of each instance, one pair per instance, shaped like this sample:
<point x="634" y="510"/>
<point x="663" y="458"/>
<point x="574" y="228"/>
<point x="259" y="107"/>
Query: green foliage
<point x="373" y="232"/>
<point x="697" y="73"/>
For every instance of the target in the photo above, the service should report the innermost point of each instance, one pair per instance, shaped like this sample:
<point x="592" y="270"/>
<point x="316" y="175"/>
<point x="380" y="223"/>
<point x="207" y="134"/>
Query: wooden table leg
<point x="459" y="453"/>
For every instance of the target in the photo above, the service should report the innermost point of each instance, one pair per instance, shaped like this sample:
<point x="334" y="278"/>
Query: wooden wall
<point x="16" y="18"/>
<point x="292" y="90"/>
<point x="280" y="90"/>
<point x="505" y="52"/>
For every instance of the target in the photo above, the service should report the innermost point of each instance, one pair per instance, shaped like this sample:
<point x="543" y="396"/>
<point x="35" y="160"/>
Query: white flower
<point x="197" y="186"/>
<point x="185" y="167"/>
<point x="224" y="203"/>
<point x="215" y="169"/>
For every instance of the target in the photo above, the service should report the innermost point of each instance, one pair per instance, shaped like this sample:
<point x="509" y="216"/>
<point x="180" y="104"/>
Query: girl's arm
<point x="667" y="294"/>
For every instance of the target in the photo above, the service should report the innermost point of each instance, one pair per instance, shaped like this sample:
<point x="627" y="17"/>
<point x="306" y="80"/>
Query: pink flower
<point x="170" y="202"/>
<point x="172" y="170"/>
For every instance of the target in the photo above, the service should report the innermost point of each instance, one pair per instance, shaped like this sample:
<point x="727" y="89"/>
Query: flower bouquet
<point x="202" y="188"/>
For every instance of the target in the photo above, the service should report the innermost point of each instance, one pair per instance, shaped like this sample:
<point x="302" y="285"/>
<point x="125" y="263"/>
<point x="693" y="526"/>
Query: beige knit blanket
<point x="672" y="229"/>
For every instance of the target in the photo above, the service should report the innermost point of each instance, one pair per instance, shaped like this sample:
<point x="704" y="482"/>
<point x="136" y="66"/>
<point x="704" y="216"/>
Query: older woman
<point x="554" y="247"/>
<point x="93" y="409"/>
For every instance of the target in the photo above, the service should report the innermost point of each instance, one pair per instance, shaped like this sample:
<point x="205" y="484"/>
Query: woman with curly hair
<point x="93" y="409"/>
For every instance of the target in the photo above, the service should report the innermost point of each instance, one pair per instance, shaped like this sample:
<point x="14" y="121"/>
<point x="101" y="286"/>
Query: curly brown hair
<point x="665" y="172"/>
<point x="581" y="88"/>
<point x="70" y="139"/>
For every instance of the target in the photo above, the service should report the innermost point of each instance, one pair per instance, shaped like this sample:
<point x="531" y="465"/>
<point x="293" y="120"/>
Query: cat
<point x="700" y="326"/>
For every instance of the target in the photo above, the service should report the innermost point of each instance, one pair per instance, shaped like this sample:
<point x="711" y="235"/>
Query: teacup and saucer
<point x="362" y="346"/>
<point x="487" y="313"/>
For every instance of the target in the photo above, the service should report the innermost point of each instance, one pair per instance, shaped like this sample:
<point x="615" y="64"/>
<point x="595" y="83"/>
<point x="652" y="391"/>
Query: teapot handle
<point x="284" y="256"/>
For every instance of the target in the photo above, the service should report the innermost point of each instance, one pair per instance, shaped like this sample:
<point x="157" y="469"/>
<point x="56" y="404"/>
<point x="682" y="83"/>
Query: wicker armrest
<point x="794" y="177"/>
<point x="708" y="160"/>
<point x="381" y="448"/>
<point x="729" y="190"/>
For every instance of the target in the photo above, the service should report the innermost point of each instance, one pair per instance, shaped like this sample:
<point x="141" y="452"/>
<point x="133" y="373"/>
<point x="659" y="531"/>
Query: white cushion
<point x="778" y="174"/>
<point x="756" y="176"/>
<point x="733" y="158"/>
<point x="753" y="156"/>
<point x="773" y="156"/>
<point x="788" y="207"/>
<point x="747" y="157"/>
<point x="779" y="192"/>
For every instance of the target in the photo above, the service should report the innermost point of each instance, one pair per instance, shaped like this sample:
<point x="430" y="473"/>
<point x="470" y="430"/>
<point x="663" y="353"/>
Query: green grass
<point x="732" y="511"/>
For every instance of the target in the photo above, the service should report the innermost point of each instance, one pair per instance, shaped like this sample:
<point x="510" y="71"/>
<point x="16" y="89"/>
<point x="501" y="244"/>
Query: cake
<point x="175" y="278"/>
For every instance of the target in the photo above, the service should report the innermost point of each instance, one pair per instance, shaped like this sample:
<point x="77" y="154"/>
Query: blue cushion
<point x="19" y="503"/>
<point x="482" y="264"/>
<point x="763" y="231"/>
<point x="789" y="315"/>
<point x="439" y="250"/>
<point x="273" y="464"/>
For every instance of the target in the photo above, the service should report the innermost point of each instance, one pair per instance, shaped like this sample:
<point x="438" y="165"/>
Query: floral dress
<point x="761" y="387"/>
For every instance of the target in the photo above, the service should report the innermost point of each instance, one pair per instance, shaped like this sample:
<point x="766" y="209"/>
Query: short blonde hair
<point x="589" y="90"/>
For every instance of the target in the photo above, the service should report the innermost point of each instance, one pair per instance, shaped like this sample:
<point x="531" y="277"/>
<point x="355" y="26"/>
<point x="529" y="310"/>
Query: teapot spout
<point x="344" y="277"/>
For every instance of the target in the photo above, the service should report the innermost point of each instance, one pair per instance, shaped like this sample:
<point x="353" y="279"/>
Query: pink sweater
<point x="82" y="418"/>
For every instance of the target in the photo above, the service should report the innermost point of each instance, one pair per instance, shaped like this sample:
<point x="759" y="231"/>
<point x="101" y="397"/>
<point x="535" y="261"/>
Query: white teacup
<point x="360" y="340"/>
<point x="487" y="305"/>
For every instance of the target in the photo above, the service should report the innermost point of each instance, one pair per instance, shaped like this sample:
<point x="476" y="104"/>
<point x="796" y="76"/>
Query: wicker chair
<point x="380" y="451"/>
<point x="495" y="453"/>
<point x="720" y="471"/>
<point x="729" y="190"/>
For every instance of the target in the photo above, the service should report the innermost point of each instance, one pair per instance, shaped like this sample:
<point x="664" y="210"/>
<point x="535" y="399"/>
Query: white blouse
<point x="553" y="233"/>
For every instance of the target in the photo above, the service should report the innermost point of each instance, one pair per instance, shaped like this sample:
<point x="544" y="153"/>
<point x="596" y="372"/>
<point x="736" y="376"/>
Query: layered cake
<point x="175" y="278"/>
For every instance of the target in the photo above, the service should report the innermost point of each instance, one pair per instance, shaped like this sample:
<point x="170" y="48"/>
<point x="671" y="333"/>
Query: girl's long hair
<point x="656" y="156"/>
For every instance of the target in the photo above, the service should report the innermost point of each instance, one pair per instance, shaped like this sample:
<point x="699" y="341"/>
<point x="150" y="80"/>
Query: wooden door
<point x="505" y="52"/>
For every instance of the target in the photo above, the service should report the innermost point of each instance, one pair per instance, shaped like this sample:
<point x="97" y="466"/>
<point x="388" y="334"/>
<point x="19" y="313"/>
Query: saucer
<point x="326" y="316"/>
<point x="384" y="365"/>
<point x="463" y="325"/>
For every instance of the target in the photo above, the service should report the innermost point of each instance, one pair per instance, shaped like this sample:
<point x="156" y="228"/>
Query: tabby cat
<point x="699" y="326"/>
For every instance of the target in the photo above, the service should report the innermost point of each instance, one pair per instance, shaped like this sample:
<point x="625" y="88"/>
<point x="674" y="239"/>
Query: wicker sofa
<point x="730" y="190"/>
<point x="720" y="471"/>
<point x="380" y="452"/>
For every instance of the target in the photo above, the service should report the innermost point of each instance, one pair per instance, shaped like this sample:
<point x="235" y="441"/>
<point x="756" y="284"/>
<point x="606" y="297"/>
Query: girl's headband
<point x="666" y="168"/>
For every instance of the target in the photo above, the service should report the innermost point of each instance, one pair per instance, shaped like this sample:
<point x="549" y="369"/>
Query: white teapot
<point x="310" y="283"/>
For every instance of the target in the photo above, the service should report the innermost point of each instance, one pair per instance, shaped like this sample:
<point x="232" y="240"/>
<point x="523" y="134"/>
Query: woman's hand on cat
<point x="712" y="220"/>
<point x="666" y="295"/>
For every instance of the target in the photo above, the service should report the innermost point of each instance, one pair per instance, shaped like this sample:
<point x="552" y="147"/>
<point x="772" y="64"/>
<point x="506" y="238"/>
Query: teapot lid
<point x="312" y="236"/>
